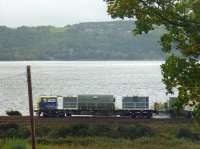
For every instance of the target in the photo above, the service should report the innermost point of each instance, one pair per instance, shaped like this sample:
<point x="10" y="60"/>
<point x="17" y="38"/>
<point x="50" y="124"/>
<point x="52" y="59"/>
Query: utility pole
<point x="30" y="96"/>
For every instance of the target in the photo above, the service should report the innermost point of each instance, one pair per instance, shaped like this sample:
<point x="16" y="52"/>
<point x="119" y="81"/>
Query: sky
<point x="15" y="13"/>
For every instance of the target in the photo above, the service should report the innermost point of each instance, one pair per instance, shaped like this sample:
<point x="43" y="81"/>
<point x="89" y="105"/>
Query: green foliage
<point x="188" y="134"/>
<point x="15" y="144"/>
<point x="181" y="19"/>
<point x="13" y="113"/>
<point x="166" y="134"/>
<point x="12" y="130"/>
<point x="84" y="141"/>
<point x="57" y="29"/>
<point x="73" y="130"/>
<point x="103" y="130"/>
<point x="183" y="75"/>
<point x="83" y="130"/>
<point x="159" y="106"/>
<point x="135" y="131"/>
<point x="85" y="41"/>
<point x="42" y="131"/>
<point x="109" y="143"/>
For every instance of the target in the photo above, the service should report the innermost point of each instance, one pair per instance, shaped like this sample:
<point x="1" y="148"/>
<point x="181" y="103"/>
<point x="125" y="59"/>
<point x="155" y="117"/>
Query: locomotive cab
<point x="47" y="105"/>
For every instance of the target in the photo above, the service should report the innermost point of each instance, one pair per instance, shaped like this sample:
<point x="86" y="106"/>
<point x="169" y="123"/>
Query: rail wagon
<point x="135" y="103"/>
<point x="93" y="104"/>
<point x="136" y="106"/>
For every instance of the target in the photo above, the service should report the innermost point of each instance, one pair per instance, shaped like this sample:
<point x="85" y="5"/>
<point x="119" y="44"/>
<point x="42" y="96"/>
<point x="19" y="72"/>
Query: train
<point x="94" y="105"/>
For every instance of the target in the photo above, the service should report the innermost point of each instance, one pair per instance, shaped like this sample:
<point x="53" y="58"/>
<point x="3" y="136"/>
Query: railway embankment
<point x="92" y="120"/>
<point x="101" y="132"/>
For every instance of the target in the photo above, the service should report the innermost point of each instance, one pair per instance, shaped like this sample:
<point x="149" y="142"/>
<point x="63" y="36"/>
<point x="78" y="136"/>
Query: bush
<point x="23" y="133"/>
<point x="8" y="126"/>
<point x="80" y="130"/>
<point x="101" y="130"/>
<point x="68" y="140"/>
<point x="13" y="113"/>
<point x="134" y="131"/>
<point x="11" y="130"/>
<point x="42" y="131"/>
<point x="73" y="130"/>
<point x="187" y="134"/>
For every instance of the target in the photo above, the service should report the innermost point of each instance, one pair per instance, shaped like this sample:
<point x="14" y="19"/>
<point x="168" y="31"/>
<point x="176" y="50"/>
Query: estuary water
<point x="70" y="78"/>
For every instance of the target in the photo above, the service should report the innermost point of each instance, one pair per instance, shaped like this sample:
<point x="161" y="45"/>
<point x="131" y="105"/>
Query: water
<point x="120" y="78"/>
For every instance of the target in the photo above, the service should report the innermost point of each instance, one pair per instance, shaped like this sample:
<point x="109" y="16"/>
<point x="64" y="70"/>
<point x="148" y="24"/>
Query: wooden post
<point x="30" y="96"/>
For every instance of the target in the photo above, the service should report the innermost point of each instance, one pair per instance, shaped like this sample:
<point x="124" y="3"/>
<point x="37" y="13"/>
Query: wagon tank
<point x="96" y="102"/>
<point x="136" y="106"/>
<point x="135" y="103"/>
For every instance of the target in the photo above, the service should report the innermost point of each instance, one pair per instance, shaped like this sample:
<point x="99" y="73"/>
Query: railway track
<point x="87" y="120"/>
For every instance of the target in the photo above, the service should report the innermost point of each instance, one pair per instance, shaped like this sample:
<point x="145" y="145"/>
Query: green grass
<point x="152" y="135"/>
<point x="107" y="143"/>
<point x="14" y="144"/>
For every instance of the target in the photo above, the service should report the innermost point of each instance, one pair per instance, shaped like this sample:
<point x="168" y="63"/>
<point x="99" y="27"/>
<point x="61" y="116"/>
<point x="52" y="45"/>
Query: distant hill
<point x="84" y="41"/>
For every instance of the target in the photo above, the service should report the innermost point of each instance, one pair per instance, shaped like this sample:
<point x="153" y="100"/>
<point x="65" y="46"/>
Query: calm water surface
<point x="120" y="78"/>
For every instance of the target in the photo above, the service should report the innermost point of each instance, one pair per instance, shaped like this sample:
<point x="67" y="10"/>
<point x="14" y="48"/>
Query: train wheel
<point x="149" y="115"/>
<point x="133" y="115"/>
<point x="39" y="114"/>
<point x="68" y="114"/>
<point x="45" y="115"/>
<point x="61" y="114"/>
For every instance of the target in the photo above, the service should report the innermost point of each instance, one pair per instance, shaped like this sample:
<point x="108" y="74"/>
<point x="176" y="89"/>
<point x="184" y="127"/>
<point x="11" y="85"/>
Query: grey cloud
<point x="15" y="13"/>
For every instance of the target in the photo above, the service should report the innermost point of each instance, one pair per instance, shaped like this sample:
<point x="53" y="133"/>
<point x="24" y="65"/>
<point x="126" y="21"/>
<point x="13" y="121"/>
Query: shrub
<point x="8" y="126"/>
<point x="42" y="131"/>
<point x="13" y="113"/>
<point x="54" y="134"/>
<point x="11" y="130"/>
<point x="68" y="140"/>
<point x="57" y="141"/>
<point x="6" y="130"/>
<point x="134" y="131"/>
<point x="73" y="130"/>
<point x="23" y="133"/>
<point x="80" y="130"/>
<point x="187" y="134"/>
<point x="101" y="130"/>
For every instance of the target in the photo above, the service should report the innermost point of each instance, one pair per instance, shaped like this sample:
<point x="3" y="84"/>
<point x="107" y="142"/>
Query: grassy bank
<point x="106" y="143"/>
<point x="152" y="135"/>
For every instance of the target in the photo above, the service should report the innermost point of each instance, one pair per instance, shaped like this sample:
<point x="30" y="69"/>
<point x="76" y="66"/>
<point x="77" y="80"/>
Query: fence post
<point x="30" y="96"/>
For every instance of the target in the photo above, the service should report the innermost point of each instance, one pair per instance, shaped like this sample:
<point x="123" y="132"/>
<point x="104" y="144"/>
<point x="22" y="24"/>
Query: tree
<point x="159" y="106"/>
<point x="181" y="42"/>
